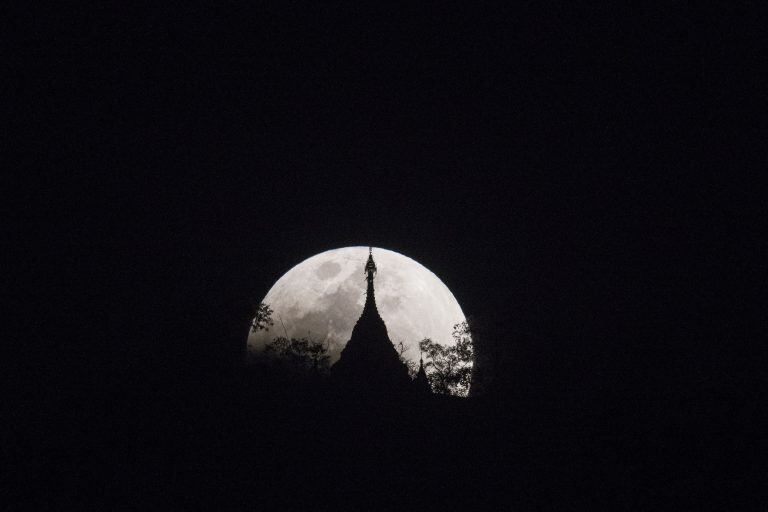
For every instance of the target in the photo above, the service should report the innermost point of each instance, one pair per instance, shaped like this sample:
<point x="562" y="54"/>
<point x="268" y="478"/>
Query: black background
<point x="567" y="171"/>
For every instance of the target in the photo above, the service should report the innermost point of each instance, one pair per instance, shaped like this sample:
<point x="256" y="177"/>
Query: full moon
<point x="323" y="296"/>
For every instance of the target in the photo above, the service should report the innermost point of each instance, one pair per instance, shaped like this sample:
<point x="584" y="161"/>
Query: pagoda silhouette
<point x="369" y="363"/>
<point x="421" y="382"/>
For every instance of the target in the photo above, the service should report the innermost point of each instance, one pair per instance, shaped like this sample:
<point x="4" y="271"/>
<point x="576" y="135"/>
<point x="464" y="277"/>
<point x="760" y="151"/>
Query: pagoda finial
<point x="422" y="381"/>
<point x="370" y="266"/>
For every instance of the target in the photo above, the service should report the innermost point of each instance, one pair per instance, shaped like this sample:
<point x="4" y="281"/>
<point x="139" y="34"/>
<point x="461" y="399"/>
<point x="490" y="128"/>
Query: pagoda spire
<point x="421" y="382"/>
<point x="370" y="272"/>
<point x="370" y="266"/>
<point x="369" y="361"/>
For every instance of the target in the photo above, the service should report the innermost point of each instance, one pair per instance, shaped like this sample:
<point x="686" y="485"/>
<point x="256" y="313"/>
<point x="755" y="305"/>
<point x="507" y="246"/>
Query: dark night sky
<point x="546" y="162"/>
<point x="570" y="173"/>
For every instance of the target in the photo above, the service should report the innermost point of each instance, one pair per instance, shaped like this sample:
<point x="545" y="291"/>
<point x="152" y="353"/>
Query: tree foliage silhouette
<point x="449" y="368"/>
<point x="298" y="354"/>
<point x="262" y="320"/>
<point x="289" y="356"/>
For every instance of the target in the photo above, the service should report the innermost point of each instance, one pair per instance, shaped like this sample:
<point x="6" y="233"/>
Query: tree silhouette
<point x="298" y="354"/>
<point x="462" y="336"/>
<point x="262" y="320"/>
<point x="449" y="368"/>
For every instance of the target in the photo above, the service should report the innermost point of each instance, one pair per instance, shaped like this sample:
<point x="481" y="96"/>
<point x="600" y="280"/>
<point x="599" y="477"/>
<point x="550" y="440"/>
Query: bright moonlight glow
<point x="322" y="297"/>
